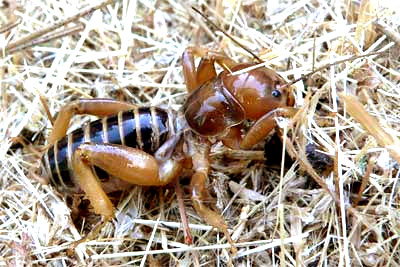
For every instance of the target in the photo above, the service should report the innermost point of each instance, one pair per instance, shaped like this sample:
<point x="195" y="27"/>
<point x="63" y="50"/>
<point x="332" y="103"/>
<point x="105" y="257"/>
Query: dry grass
<point x="131" y="50"/>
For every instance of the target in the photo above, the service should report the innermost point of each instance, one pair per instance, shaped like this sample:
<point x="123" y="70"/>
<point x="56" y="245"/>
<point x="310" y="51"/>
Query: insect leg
<point x="129" y="164"/>
<point x="232" y="137"/>
<point x="98" y="107"/>
<point x="190" y="73"/>
<point x="199" y="192"/>
<point x="206" y="70"/>
<point x="264" y="125"/>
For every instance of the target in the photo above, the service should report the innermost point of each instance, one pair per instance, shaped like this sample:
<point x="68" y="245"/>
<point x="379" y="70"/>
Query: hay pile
<point x="339" y="206"/>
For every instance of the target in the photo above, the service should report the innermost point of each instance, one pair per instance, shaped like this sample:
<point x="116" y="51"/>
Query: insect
<point x="144" y="145"/>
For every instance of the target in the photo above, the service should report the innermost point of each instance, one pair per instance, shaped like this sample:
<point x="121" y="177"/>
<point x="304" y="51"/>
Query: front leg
<point x="232" y="137"/>
<point x="264" y="125"/>
<point x="205" y="72"/>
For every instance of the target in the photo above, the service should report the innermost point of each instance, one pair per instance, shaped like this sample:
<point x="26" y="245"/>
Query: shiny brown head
<point x="259" y="91"/>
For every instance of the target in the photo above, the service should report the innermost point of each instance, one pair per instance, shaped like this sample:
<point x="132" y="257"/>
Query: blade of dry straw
<point x="55" y="26"/>
<point x="384" y="139"/>
<point x="47" y="38"/>
<point x="9" y="26"/>
<point x="365" y="33"/>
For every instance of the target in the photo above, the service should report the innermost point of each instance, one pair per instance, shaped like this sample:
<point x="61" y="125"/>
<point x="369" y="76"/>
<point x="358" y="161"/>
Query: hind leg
<point x="129" y="164"/>
<point x="98" y="107"/>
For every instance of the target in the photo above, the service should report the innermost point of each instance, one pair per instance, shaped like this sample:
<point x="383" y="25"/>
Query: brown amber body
<point x="144" y="146"/>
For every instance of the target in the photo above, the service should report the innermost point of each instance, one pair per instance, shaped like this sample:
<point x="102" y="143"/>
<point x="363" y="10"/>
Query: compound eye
<point x="276" y="93"/>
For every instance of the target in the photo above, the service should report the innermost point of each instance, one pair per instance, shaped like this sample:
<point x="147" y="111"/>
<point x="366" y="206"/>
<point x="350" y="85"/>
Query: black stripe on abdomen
<point x="129" y="128"/>
<point x="146" y="129"/>
<point x="95" y="130"/>
<point x="113" y="130"/>
<point x="162" y="124"/>
<point x="65" y="180"/>
<point x="62" y="161"/>
<point x="52" y="166"/>
<point x="58" y="165"/>
<point x="129" y="123"/>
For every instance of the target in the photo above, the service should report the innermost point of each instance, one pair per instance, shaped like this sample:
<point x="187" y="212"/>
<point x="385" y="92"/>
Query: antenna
<point x="228" y="35"/>
<point x="307" y="75"/>
<point x="302" y="77"/>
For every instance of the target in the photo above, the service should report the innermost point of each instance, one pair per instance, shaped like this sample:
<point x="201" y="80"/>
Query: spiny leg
<point x="206" y="70"/>
<point x="264" y="125"/>
<point x="98" y="107"/>
<point x="179" y="195"/>
<point x="220" y="58"/>
<point x="90" y="184"/>
<point x="189" y="71"/>
<point x="199" y="191"/>
<point x="127" y="163"/>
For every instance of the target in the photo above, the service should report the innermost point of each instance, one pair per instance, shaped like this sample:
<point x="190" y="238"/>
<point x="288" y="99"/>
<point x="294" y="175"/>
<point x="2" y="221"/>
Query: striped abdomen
<point x="143" y="128"/>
